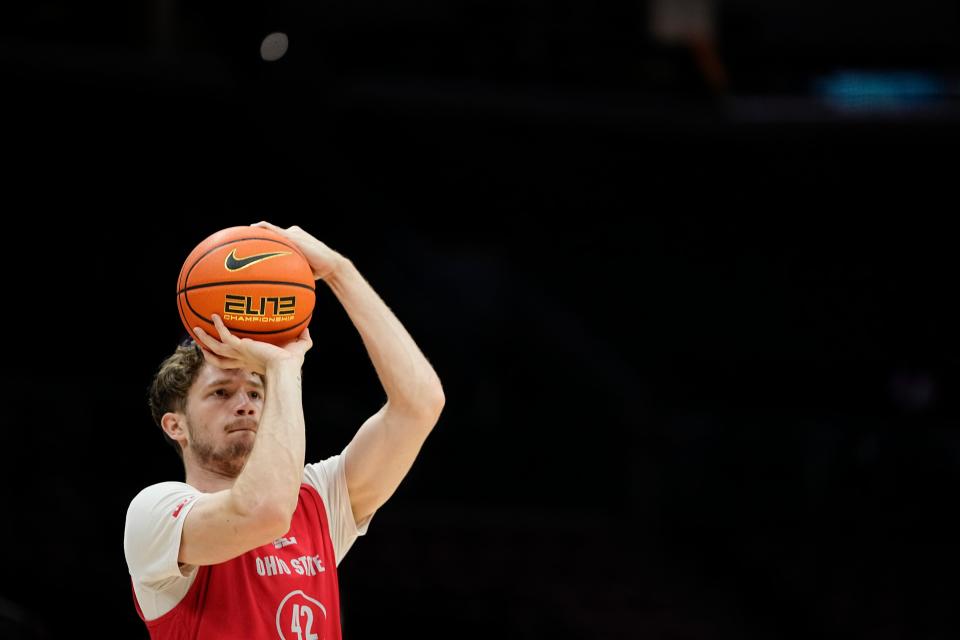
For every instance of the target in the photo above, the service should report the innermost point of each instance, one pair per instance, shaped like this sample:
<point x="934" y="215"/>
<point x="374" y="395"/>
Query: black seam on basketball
<point x="183" y="316"/>
<point x="194" y="312"/>
<point x="233" y="282"/>
<point x="235" y="332"/>
<point x="186" y="299"/>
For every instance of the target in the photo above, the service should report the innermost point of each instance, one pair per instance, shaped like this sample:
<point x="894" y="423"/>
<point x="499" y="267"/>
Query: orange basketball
<point x="256" y="280"/>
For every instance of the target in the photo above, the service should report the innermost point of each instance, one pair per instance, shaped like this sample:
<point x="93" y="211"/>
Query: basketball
<point x="255" y="279"/>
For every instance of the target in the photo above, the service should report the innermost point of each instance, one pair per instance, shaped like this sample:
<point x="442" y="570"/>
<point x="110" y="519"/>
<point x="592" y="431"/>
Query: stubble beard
<point x="227" y="460"/>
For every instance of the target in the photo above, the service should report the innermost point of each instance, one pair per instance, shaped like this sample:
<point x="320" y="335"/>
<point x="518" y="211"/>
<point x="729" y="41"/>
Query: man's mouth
<point x="243" y="426"/>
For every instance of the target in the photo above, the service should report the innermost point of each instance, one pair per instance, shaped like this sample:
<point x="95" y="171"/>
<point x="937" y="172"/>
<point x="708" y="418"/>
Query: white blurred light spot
<point x="274" y="46"/>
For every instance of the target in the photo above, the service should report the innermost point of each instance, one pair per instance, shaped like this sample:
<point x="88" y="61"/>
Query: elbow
<point x="273" y="514"/>
<point x="426" y="402"/>
<point x="435" y="398"/>
<point x="276" y="521"/>
<point x="438" y="399"/>
<point x="432" y="405"/>
<point x="282" y="509"/>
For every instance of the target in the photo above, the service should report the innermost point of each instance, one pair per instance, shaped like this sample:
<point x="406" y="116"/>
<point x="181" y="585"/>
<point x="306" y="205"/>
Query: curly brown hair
<point x="170" y="385"/>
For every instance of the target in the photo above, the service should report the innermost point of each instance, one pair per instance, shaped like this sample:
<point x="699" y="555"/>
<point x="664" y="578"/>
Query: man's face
<point x="223" y="413"/>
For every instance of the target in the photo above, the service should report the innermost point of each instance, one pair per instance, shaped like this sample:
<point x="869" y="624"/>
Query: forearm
<point x="270" y="481"/>
<point x="406" y="375"/>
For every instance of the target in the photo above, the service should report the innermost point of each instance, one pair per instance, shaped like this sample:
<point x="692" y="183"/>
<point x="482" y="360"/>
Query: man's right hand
<point x="231" y="352"/>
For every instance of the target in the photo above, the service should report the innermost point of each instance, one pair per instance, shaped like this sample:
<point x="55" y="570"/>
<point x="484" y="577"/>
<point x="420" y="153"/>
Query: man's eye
<point x="219" y="392"/>
<point x="255" y="394"/>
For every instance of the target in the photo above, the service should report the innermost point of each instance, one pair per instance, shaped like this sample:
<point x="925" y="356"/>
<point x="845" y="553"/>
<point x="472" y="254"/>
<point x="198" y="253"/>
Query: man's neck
<point x="206" y="480"/>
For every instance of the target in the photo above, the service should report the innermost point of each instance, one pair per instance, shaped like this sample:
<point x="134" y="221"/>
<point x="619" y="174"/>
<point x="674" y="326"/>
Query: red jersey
<point x="286" y="589"/>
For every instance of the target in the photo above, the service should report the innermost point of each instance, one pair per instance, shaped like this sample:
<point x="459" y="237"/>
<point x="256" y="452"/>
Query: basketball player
<point x="248" y="546"/>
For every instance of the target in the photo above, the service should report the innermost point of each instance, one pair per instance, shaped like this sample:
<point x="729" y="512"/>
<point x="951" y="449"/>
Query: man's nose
<point x="247" y="406"/>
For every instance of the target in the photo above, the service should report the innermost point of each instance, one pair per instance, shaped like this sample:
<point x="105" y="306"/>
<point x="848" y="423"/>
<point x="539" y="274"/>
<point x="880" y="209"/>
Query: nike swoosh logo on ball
<point x="233" y="263"/>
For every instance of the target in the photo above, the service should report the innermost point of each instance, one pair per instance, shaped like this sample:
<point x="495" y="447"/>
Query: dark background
<point x="692" y="308"/>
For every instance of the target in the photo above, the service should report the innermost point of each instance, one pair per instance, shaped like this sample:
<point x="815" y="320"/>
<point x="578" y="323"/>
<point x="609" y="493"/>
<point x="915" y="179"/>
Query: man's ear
<point x="174" y="425"/>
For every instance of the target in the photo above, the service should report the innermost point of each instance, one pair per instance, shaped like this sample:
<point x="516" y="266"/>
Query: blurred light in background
<point x="680" y="20"/>
<point x="881" y="91"/>
<point x="274" y="46"/>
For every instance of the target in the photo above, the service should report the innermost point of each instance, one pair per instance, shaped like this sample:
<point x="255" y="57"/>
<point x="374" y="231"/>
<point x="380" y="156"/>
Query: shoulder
<point x="151" y="535"/>
<point x="162" y="491"/>
<point x="159" y="498"/>
<point x="324" y="474"/>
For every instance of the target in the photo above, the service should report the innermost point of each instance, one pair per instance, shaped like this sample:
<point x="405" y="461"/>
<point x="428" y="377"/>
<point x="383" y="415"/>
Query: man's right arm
<point x="259" y="506"/>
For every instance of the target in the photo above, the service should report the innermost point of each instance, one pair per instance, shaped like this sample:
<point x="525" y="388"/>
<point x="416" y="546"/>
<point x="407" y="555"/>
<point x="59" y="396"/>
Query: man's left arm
<point x="384" y="448"/>
<point x="381" y="453"/>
